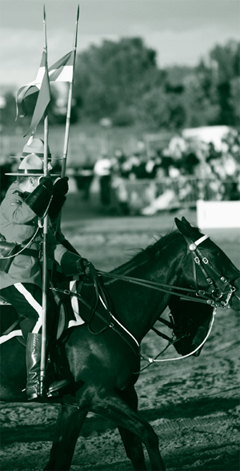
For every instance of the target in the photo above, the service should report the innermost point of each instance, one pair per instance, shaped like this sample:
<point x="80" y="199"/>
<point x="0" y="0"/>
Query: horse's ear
<point x="180" y="225"/>
<point x="186" y="222"/>
<point x="184" y="226"/>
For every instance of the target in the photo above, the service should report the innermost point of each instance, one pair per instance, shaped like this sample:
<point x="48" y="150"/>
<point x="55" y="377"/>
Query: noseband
<point x="220" y="290"/>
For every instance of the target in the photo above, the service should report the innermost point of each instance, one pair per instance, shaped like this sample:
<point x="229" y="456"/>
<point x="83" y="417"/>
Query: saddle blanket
<point x="69" y="317"/>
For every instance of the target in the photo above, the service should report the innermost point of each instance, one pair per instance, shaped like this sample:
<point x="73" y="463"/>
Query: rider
<point x="25" y="204"/>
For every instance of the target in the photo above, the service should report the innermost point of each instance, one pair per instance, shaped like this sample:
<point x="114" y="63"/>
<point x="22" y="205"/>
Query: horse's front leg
<point x="110" y="405"/>
<point x="69" y="423"/>
<point x="132" y="443"/>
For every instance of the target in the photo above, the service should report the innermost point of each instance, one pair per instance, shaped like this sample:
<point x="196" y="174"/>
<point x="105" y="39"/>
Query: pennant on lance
<point x="61" y="71"/>
<point x="43" y="99"/>
<point x="29" y="89"/>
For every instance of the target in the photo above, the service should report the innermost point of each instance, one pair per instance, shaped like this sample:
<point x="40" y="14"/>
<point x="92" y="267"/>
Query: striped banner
<point x="61" y="71"/>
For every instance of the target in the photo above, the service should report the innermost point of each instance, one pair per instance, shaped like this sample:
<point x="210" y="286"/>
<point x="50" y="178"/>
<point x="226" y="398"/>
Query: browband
<point x="198" y="242"/>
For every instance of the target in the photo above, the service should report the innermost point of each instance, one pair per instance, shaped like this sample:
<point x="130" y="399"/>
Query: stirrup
<point x="55" y="386"/>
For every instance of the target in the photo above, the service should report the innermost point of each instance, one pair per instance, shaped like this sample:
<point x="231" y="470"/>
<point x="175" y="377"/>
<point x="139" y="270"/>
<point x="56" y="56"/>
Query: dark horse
<point x="103" y="368"/>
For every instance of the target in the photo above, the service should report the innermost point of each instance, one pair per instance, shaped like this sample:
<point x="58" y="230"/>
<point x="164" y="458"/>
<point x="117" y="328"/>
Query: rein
<point x="109" y="324"/>
<point x="154" y="360"/>
<point x="213" y="299"/>
<point x="22" y="248"/>
<point x="166" y="289"/>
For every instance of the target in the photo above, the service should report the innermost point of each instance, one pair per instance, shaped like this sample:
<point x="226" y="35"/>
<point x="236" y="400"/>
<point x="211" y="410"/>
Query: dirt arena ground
<point x="192" y="404"/>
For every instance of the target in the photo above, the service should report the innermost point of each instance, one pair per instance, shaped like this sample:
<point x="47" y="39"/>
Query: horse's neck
<point x="139" y="307"/>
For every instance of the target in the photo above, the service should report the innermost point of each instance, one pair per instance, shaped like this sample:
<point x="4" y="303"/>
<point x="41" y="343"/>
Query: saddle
<point x="10" y="322"/>
<point x="71" y="312"/>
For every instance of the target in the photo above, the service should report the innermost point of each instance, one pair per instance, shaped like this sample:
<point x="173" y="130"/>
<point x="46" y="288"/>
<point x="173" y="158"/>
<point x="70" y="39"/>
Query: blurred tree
<point x="235" y="99"/>
<point x="174" y="78"/>
<point x="162" y="110"/>
<point x="226" y="59"/>
<point x="8" y="111"/>
<point x="153" y="108"/>
<point x="111" y="78"/>
<point x="120" y="80"/>
<point x="200" y="107"/>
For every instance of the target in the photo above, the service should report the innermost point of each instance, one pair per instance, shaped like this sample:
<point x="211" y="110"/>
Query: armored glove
<point x="73" y="264"/>
<point x="39" y="199"/>
<point x="60" y="186"/>
<point x="60" y="189"/>
<point x="88" y="268"/>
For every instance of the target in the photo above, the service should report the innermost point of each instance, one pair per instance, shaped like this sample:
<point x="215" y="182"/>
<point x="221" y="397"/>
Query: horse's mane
<point x="150" y="251"/>
<point x="157" y="246"/>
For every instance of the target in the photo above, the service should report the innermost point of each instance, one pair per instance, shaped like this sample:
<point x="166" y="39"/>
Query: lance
<point x="45" y="230"/>
<point x="69" y="105"/>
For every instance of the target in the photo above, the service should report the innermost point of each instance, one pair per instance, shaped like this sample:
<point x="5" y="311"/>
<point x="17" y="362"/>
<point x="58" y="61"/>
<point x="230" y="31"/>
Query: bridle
<point x="218" y="294"/>
<point x="220" y="290"/>
<point x="219" y="287"/>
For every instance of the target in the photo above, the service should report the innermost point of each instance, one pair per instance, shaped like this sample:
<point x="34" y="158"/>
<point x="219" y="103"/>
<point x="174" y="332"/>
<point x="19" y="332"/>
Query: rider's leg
<point x="33" y="362"/>
<point x="26" y="298"/>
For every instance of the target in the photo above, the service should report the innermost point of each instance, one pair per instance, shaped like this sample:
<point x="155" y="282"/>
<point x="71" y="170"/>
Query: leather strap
<point x="31" y="252"/>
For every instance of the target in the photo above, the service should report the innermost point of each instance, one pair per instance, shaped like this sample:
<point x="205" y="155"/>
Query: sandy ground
<point x="192" y="404"/>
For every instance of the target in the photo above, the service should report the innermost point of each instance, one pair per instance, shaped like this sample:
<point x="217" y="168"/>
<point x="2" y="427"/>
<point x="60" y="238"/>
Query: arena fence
<point x="168" y="193"/>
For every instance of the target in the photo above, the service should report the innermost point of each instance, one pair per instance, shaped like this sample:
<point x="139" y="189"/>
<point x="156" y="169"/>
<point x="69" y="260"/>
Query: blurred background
<point x="155" y="109"/>
<point x="154" y="133"/>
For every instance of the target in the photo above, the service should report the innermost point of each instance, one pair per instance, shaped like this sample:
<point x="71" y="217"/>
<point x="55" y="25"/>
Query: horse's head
<point x="212" y="278"/>
<point x="208" y="269"/>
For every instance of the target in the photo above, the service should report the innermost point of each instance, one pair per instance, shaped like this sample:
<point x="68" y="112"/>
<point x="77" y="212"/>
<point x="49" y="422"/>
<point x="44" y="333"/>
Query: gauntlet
<point x="39" y="199"/>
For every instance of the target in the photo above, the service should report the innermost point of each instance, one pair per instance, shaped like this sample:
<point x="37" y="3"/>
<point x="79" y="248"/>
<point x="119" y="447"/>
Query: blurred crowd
<point x="152" y="179"/>
<point x="184" y="171"/>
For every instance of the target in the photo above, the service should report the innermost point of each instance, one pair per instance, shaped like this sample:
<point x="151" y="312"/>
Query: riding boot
<point x="33" y="360"/>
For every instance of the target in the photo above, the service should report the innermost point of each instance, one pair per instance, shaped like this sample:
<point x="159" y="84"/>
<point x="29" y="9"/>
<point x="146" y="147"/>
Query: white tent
<point x="208" y="134"/>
